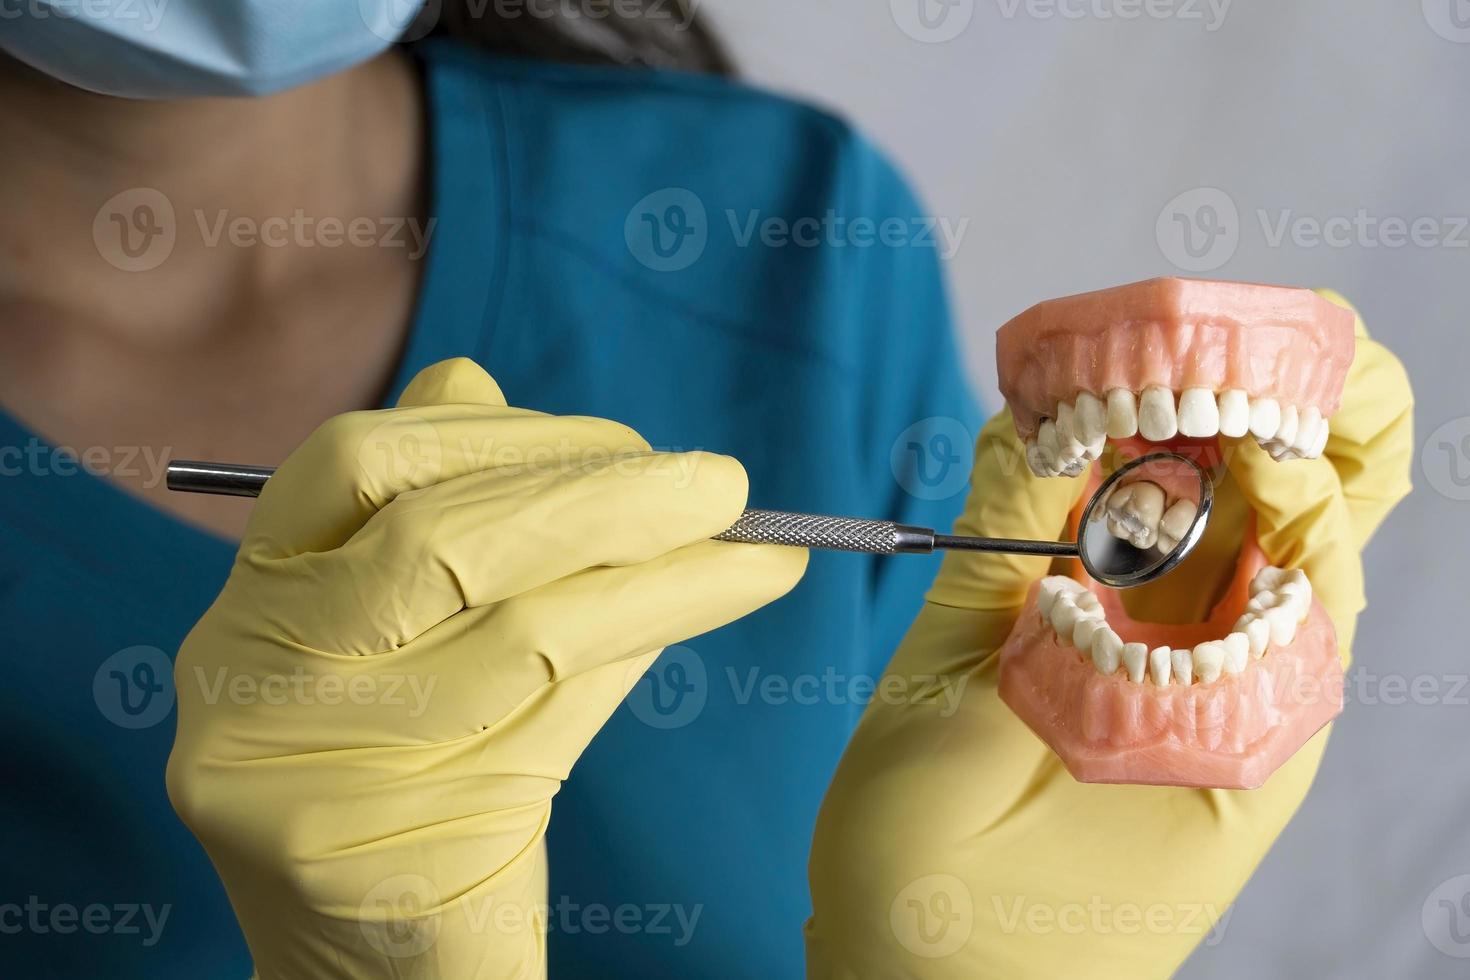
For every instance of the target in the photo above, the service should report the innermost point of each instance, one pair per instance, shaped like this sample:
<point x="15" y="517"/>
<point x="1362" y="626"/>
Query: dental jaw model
<point x="1184" y="366"/>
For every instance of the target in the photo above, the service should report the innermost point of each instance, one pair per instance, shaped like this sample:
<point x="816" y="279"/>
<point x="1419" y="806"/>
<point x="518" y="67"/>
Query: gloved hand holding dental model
<point x="957" y="843"/>
<point x="525" y="573"/>
<point x="536" y="600"/>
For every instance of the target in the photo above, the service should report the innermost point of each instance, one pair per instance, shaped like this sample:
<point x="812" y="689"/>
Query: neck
<point x="338" y="147"/>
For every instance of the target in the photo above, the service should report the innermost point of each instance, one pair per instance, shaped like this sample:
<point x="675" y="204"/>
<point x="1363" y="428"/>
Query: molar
<point x="1135" y="510"/>
<point x="1157" y="419"/>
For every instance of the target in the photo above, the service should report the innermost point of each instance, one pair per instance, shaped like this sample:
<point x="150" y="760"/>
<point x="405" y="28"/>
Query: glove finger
<point x="1006" y="501"/>
<point x="488" y="536"/>
<point x="1302" y="521"/>
<point x="1371" y="440"/>
<point x="457" y="381"/>
<point x="578" y="645"/>
<point x="356" y="464"/>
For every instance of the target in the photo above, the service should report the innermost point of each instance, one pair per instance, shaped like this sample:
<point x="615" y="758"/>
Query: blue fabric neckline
<point x="108" y="531"/>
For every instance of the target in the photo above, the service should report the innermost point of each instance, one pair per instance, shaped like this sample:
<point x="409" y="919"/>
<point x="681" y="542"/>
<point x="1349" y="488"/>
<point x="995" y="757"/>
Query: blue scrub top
<point x="719" y="268"/>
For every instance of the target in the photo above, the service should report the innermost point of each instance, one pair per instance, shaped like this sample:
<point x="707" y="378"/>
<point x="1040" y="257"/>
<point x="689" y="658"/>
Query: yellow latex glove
<point x="953" y="843"/>
<point x="433" y="611"/>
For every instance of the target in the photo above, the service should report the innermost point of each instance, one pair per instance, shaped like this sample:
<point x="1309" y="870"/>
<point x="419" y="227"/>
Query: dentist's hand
<point x="953" y="843"/>
<point x="434" y="610"/>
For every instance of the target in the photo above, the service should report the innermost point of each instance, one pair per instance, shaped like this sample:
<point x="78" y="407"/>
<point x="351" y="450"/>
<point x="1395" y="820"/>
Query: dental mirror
<point x="1142" y="522"/>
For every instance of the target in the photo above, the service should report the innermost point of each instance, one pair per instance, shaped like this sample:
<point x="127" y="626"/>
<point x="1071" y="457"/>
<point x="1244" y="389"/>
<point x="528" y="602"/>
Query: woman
<point x="436" y="608"/>
<point x="170" y="289"/>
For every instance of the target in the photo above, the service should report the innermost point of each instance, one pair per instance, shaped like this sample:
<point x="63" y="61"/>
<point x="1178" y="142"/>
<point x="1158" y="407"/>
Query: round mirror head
<point x="1144" y="520"/>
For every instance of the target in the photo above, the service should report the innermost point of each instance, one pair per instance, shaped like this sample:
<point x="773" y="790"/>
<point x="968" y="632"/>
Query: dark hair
<point x="637" y="33"/>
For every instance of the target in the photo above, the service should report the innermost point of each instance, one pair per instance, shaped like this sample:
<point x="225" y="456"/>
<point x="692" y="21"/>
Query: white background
<point x="1062" y="129"/>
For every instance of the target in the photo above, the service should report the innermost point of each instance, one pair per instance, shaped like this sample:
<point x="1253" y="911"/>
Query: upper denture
<point x="1268" y="342"/>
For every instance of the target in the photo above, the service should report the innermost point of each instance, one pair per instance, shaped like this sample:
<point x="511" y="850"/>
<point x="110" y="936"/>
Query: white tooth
<point x="1266" y="580"/>
<point x="1289" y="422"/>
<point x="1183" y="664"/>
<point x="1046" y="443"/>
<point x="1237" y="652"/>
<point x="1157" y="420"/>
<point x="1067" y="441"/>
<point x="1137" y="507"/>
<point x="1064" y="616"/>
<point x="1209" y="660"/>
<point x="1122" y="414"/>
<point x="1091" y="421"/>
<point x="1318" y="447"/>
<point x="1071" y="466"/>
<point x="1158" y="665"/>
<point x="1199" y="416"/>
<point x="1257" y="631"/>
<point x="1282" y="620"/>
<point x="1235" y="413"/>
<point x="1281" y="453"/>
<point x="1306" y="431"/>
<point x="1036" y="459"/>
<point x="1175" y="524"/>
<point x="1116" y="529"/>
<point x="1135" y="661"/>
<point x="1107" y="649"/>
<point x="1263" y="600"/>
<point x="1084" y="631"/>
<point x="1051" y="587"/>
<point x="1265" y="418"/>
<point x="1088" y="600"/>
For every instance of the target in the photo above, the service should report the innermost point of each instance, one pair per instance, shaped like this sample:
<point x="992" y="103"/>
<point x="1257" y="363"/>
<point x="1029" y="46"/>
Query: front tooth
<point x="1158" y="665"/>
<point x="1036" y="460"/>
<point x="1183" y="664"/>
<point x="1137" y="507"/>
<point x="1265" y="418"/>
<point x="1320" y="445"/>
<point x="1199" y="416"/>
<point x="1175" y="524"/>
<point x="1257" y="632"/>
<point x="1308" y="427"/>
<point x="1085" y="630"/>
<point x="1209" y="660"/>
<point x="1122" y="414"/>
<point x="1289" y="422"/>
<point x="1157" y="420"/>
<point x="1135" y="661"/>
<point x="1235" y="413"/>
<point x="1091" y="422"/>
<point x="1237" y="652"/>
<point x="1107" y="650"/>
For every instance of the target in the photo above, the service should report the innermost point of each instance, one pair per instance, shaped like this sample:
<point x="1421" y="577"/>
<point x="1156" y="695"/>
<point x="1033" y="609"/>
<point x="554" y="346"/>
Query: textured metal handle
<point x="814" y="531"/>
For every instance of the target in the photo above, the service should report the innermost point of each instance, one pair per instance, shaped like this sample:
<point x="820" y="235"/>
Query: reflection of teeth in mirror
<point x="1280" y="599"/>
<point x="1134" y="511"/>
<point x="1175" y="524"/>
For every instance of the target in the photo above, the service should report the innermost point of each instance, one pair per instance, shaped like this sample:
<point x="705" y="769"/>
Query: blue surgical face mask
<point x="180" y="49"/>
